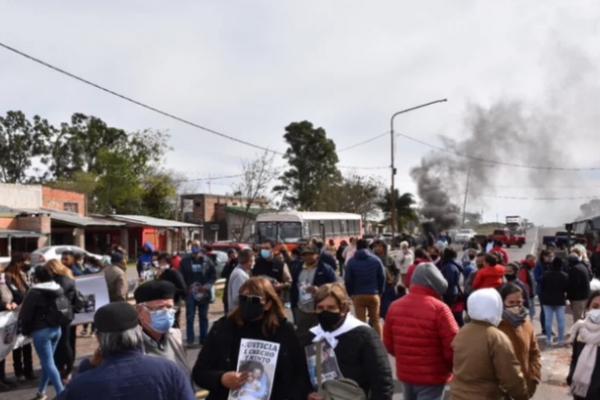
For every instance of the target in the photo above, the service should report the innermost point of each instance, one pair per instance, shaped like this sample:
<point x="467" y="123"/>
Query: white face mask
<point x="594" y="316"/>
<point x="2" y="279"/>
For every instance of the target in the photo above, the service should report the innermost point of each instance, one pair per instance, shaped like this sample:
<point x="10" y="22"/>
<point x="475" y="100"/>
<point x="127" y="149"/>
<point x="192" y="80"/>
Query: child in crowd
<point x="491" y="275"/>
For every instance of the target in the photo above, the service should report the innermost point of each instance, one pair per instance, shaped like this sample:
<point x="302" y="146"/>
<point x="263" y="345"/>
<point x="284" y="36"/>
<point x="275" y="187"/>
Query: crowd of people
<point x="462" y="322"/>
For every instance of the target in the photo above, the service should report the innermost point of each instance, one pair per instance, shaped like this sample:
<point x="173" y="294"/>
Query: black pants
<point x="64" y="356"/>
<point x="22" y="361"/>
<point x="543" y="320"/>
<point x="2" y="370"/>
<point x="73" y="341"/>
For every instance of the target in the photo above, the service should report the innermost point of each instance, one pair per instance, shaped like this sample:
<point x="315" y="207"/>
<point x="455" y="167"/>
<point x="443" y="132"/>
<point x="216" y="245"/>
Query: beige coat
<point x="527" y="351"/>
<point x="485" y="365"/>
<point x="116" y="281"/>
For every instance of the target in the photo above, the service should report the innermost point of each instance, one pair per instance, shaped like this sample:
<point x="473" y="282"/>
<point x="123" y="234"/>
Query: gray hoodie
<point x="428" y="275"/>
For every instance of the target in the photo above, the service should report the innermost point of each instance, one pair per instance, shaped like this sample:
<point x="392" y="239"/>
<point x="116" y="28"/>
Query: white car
<point x="464" y="235"/>
<point x="4" y="261"/>
<point x="48" y="253"/>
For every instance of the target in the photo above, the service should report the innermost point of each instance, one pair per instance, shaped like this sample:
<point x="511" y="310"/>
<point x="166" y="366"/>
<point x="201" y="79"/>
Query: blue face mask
<point x="264" y="253"/>
<point x="162" y="320"/>
<point x="195" y="249"/>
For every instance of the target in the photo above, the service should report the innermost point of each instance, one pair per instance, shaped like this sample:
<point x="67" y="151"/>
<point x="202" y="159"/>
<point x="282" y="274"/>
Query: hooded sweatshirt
<point x="145" y="259"/>
<point x="485" y="366"/>
<point x="36" y="307"/>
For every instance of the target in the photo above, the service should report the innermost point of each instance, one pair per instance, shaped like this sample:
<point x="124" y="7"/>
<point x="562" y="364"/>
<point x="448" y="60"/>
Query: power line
<point x="495" y="162"/>
<point x="365" y="142"/>
<point x="151" y="108"/>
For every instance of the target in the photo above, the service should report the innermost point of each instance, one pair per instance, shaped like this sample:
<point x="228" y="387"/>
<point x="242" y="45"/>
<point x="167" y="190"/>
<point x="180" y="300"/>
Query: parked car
<point x="464" y="235"/>
<point x="509" y="238"/>
<point x="48" y="253"/>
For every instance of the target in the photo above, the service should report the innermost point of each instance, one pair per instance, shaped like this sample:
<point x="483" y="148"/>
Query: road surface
<point x="554" y="364"/>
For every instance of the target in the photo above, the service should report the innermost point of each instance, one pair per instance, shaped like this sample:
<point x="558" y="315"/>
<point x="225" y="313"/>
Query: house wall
<point x="55" y="199"/>
<point x="39" y="224"/>
<point x="9" y="223"/>
<point x="21" y="196"/>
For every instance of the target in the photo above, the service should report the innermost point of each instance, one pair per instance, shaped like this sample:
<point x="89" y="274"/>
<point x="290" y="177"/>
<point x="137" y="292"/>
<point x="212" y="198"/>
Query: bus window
<point x="343" y="230"/>
<point x="286" y="231"/>
<point x="337" y="231"/>
<point x="307" y="229"/>
<point x="329" y="228"/>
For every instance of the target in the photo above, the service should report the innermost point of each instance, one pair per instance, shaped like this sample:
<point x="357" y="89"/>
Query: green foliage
<point x="159" y="197"/>
<point x="312" y="160"/>
<point x="405" y="211"/>
<point x="353" y="194"/>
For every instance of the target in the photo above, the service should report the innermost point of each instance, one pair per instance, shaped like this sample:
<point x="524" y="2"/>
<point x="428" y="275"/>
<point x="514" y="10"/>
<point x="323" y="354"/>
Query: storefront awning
<point x="13" y="233"/>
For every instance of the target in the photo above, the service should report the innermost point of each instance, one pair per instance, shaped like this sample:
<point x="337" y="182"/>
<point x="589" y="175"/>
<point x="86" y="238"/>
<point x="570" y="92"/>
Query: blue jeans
<point x="422" y="392"/>
<point x="549" y="312"/>
<point x="190" y="314"/>
<point x="44" y="342"/>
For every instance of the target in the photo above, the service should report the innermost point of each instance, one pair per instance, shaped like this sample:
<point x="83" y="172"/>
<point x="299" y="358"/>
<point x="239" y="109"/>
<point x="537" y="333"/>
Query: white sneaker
<point x="40" y="396"/>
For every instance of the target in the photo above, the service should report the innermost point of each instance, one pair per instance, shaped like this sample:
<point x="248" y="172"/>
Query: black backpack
<point x="60" y="311"/>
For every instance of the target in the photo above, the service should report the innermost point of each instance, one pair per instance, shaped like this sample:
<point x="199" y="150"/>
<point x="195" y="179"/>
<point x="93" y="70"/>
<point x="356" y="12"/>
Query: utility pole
<point x="466" y="194"/>
<point x="393" y="167"/>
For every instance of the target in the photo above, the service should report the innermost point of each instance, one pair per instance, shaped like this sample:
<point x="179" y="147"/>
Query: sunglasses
<point x="244" y="298"/>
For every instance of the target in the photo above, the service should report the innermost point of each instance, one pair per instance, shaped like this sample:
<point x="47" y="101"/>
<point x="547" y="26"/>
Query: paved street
<point x="555" y="361"/>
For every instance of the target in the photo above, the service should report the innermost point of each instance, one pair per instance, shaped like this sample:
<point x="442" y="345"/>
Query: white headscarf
<point x="349" y="323"/>
<point x="485" y="305"/>
<point x="587" y="331"/>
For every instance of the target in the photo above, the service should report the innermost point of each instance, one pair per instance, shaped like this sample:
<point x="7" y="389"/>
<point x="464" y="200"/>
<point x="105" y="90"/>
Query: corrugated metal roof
<point x="151" y="221"/>
<point x="4" y="233"/>
<point x="73" y="218"/>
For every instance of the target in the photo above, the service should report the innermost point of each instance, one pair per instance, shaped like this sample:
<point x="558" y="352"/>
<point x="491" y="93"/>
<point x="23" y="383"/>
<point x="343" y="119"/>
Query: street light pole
<point x="393" y="192"/>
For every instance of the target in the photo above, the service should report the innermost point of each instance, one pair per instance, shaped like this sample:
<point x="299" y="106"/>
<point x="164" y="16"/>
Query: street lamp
<point x="393" y="192"/>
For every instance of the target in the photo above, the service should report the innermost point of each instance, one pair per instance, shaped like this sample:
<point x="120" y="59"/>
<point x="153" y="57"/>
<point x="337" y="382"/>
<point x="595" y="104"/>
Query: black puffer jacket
<point x="36" y="307"/>
<point x="220" y="355"/>
<point x="68" y="286"/>
<point x="361" y="357"/>
<point x="579" y="282"/>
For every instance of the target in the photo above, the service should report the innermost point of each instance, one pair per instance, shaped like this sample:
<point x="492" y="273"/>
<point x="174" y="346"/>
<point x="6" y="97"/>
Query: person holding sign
<point x="253" y="351"/>
<point x="359" y="352"/>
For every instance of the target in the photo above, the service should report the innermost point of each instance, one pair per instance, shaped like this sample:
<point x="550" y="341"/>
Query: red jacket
<point x="418" y="331"/>
<point x="176" y="261"/>
<point x="489" y="277"/>
<point x="502" y="251"/>
<point x="411" y="269"/>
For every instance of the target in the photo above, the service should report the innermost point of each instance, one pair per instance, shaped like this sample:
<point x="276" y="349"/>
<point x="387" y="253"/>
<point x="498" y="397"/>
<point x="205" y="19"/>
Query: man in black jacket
<point x="232" y="262"/>
<point x="271" y="267"/>
<point x="579" y="286"/>
<point x="200" y="276"/>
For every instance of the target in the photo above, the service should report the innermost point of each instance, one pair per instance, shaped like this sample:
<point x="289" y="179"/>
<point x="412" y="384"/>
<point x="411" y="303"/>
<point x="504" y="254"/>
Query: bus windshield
<point x="280" y="231"/>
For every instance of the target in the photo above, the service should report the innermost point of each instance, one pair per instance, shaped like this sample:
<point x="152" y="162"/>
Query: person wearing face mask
<point x="167" y="273"/>
<point x="259" y="315"/>
<point x="116" y="278"/>
<point x="17" y="277"/>
<point x="358" y="350"/>
<point x="145" y="259"/>
<point x="485" y="365"/>
<point x="511" y="275"/>
<point x="542" y="266"/>
<point x="155" y="306"/>
<point x="518" y="327"/>
<point x="119" y="369"/>
<point x="200" y="275"/>
<point x="526" y="276"/>
<point x="555" y="286"/>
<point x="584" y="372"/>
<point x="270" y="267"/>
<point x="579" y="286"/>
<point x="239" y="276"/>
<point x="418" y="332"/>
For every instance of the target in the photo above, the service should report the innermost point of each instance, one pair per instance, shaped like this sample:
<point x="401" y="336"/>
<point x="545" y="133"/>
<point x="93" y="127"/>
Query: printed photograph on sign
<point x="258" y="360"/>
<point x="95" y="295"/>
<point x="90" y="303"/>
<point x="329" y="366"/>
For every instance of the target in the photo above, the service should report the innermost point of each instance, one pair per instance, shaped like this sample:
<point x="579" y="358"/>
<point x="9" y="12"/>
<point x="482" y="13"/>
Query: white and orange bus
<point x="294" y="227"/>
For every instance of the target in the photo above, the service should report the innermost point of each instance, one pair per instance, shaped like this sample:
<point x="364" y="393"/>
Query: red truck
<point x="509" y="238"/>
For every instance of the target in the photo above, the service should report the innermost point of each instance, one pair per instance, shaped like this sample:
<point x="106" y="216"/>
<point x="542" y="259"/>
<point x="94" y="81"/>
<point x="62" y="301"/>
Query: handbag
<point x="337" y="389"/>
<point x="78" y="303"/>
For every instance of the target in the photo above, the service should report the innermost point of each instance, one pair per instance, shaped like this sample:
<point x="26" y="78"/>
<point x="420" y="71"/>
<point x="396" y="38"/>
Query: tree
<point x="354" y="194"/>
<point x="405" y="211"/>
<point x="312" y="159"/>
<point x="20" y="142"/>
<point x="258" y="176"/>
<point x="159" y="195"/>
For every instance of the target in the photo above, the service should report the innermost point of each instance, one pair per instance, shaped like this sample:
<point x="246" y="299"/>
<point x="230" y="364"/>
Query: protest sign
<point x="8" y="332"/>
<point x="95" y="294"/>
<point x="259" y="359"/>
<point x="330" y="369"/>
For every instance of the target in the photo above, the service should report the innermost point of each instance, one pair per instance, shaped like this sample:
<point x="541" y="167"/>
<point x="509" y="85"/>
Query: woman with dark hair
<point x="555" y="286"/>
<point x="259" y="315"/>
<point x="18" y="281"/>
<point x="519" y="329"/>
<point x="584" y="373"/>
<point x="541" y="267"/>
<point x="454" y="298"/>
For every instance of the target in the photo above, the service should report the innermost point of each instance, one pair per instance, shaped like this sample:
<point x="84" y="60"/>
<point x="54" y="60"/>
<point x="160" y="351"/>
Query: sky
<point x="248" y="69"/>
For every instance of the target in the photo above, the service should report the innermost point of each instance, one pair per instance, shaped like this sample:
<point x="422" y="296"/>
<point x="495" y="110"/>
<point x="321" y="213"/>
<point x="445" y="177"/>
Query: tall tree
<point x="405" y="211"/>
<point x="312" y="160"/>
<point x="258" y="176"/>
<point x="354" y="194"/>
<point x="20" y="142"/>
<point x="159" y="195"/>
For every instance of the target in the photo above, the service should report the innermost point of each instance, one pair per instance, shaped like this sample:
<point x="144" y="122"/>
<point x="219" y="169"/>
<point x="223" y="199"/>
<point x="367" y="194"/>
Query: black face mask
<point x="472" y="257"/>
<point x="511" y="277"/>
<point x="251" y="311"/>
<point x="329" y="320"/>
<point x="26" y="267"/>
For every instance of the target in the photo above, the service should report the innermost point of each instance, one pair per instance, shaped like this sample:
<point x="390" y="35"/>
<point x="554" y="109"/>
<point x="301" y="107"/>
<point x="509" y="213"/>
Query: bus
<point x="295" y="227"/>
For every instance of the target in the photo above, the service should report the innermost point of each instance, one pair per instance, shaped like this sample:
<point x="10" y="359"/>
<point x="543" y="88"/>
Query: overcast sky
<point x="249" y="68"/>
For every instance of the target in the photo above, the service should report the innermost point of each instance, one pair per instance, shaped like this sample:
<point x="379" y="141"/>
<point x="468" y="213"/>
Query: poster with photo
<point x="8" y="332"/>
<point x="259" y="359"/>
<point x="95" y="294"/>
<point x="329" y="366"/>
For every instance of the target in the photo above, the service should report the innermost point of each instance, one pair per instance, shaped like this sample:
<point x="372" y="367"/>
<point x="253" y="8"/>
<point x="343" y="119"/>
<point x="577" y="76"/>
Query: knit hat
<point x="154" y="290"/>
<point x="116" y="317"/>
<point x="116" y="257"/>
<point x="428" y="275"/>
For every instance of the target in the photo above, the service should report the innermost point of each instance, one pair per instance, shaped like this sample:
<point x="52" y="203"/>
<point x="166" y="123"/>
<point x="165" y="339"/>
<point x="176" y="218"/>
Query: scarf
<point x="589" y="333"/>
<point x="516" y="320"/>
<point x="350" y="323"/>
